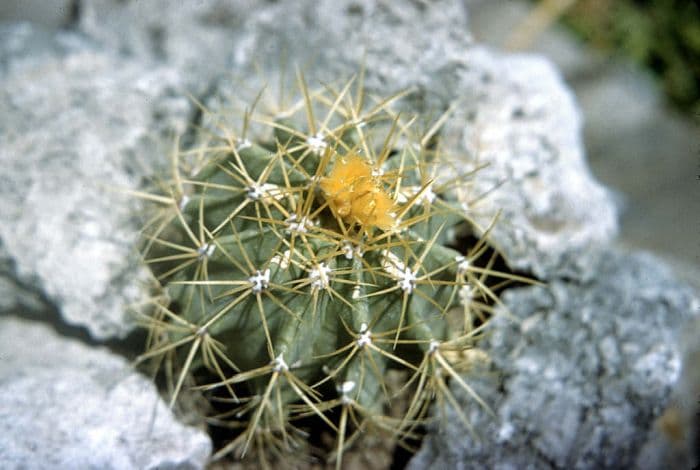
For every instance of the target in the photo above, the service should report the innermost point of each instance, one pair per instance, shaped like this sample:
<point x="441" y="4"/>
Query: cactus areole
<point x="303" y="258"/>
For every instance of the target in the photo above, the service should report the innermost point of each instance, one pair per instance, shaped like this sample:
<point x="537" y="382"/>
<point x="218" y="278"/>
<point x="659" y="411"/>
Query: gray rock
<point x="14" y="295"/>
<point x="77" y="126"/>
<point x="329" y="39"/>
<point x="579" y="381"/>
<point x="197" y="37"/>
<point x="676" y="433"/>
<point x="66" y="405"/>
<point x="53" y="14"/>
<point x="636" y="144"/>
<point x="516" y="115"/>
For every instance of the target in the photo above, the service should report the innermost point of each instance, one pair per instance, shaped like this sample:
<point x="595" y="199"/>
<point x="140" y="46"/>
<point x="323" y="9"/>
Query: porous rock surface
<point x="516" y="116"/>
<point x="675" y="437"/>
<point x="77" y="128"/>
<point x="580" y="379"/>
<point x="66" y="405"/>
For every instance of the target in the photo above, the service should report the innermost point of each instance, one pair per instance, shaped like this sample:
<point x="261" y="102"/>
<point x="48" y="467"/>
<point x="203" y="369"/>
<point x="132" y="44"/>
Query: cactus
<point x="307" y="255"/>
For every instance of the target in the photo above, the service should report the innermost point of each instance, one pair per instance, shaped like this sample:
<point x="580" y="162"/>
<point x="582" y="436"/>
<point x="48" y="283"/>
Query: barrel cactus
<point x="306" y="255"/>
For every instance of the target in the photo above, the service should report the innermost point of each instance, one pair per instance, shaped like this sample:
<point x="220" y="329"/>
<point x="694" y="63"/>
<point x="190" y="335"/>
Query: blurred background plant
<point x="660" y="35"/>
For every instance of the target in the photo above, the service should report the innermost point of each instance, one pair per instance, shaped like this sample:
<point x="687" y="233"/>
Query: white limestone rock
<point x="67" y="405"/>
<point x="77" y="127"/>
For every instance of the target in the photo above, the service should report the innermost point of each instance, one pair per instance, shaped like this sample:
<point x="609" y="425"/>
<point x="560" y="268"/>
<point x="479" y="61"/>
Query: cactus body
<point x="312" y="256"/>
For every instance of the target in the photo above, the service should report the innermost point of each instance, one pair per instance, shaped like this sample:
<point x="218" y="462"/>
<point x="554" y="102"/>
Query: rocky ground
<point x="596" y="374"/>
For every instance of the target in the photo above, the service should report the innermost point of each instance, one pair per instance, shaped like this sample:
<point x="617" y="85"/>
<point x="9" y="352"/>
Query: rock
<point x="517" y="116"/>
<point x="328" y="39"/>
<point x="636" y="144"/>
<point x="14" y="295"/>
<point x="580" y="380"/>
<point x="66" y="405"/>
<point x="78" y="126"/>
<point x="54" y="15"/>
<point x="675" y="435"/>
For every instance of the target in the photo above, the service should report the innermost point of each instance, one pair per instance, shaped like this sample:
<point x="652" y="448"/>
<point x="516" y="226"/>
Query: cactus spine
<point x="303" y="260"/>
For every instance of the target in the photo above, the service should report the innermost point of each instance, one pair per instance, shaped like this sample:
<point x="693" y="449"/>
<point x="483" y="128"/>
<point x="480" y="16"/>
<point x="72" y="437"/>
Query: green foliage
<point x="662" y="35"/>
<point x="303" y="258"/>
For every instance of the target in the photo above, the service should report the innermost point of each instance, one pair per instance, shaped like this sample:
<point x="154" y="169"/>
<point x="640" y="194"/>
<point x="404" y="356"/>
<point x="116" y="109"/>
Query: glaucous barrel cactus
<point x="306" y="256"/>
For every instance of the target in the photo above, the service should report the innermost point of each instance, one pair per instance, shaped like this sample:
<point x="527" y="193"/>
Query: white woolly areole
<point x="184" y="200"/>
<point x="365" y="336"/>
<point x="466" y="295"/>
<point x="206" y="250"/>
<point x="463" y="264"/>
<point x="320" y="276"/>
<point x="243" y="144"/>
<point x="350" y="250"/>
<point x="364" y="339"/>
<point x="260" y="281"/>
<point x="404" y="275"/>
<point x="407" y="281"/>
<point x="434" y="345"/>
<point x="255" y="191"/>
<point x="316" y="143"/>
<point x="278" y="365"/>
<point x="346" y="387"/>
<point x="302" y="226"/>
<point x="408" y="192"/>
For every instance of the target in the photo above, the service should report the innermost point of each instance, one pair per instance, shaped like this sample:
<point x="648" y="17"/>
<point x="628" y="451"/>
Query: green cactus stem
<point x="304" y="252"/>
